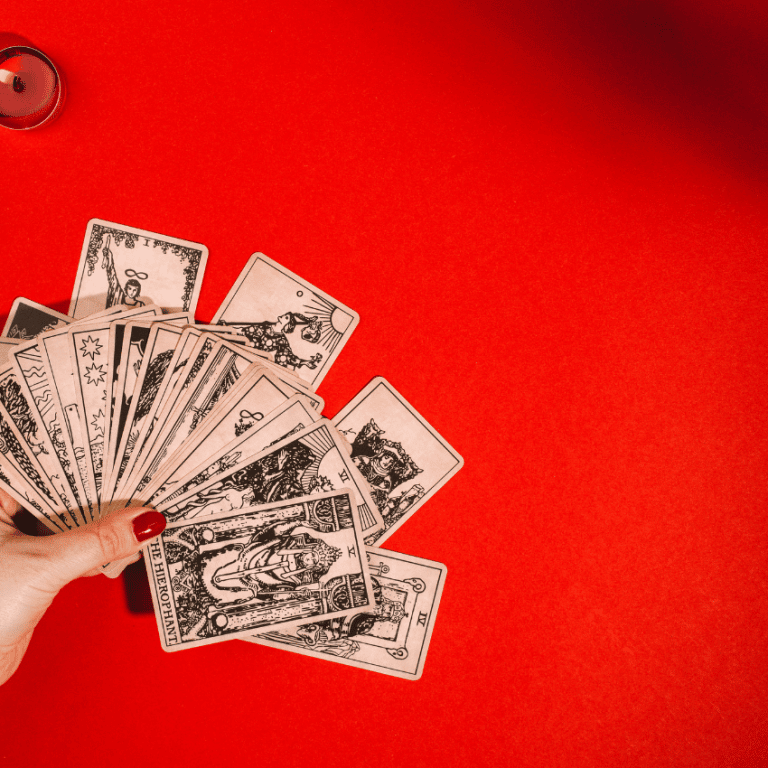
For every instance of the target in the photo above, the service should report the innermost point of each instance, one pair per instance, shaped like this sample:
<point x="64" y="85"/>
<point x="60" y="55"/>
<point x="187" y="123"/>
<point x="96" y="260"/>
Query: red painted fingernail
<point x="148" y="524"/>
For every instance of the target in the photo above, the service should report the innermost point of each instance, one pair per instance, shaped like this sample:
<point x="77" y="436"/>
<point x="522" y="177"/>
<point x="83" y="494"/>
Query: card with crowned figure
<point x="242" y="571"/>
<point x="403" y="458"/>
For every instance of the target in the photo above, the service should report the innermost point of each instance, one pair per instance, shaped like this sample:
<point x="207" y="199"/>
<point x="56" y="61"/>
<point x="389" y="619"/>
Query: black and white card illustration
<point x="28" y="319"/>
<point x="292" y="417"/>
<point x="37" y="388"/>
<point x="403" y="458"/>
<point x="276" y="565"/>
<point x="280" y="313"/>
<point x="312" y="460"/>
<point x="36" y="441"/>
<point x="246" y="405"/>
<point x="125" y="266"/>
<point x="392" y="638"/>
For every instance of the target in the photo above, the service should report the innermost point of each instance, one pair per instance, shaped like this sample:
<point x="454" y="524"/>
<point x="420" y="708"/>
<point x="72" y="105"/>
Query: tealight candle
<point x="31" y="89"/>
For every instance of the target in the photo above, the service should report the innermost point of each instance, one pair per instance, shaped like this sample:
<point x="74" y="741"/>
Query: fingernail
<point x="148" y="524"/>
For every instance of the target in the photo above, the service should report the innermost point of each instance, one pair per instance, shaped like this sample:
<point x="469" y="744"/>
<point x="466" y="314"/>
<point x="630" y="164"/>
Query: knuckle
<point x="110" y="542"/>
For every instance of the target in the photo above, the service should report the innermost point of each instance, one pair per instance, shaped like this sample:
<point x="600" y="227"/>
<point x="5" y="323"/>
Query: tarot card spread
<point x="133" y="267"/>
<point x="231" y="574"/>
<point x="279" y="312"/>
<point x="270" y="505"/>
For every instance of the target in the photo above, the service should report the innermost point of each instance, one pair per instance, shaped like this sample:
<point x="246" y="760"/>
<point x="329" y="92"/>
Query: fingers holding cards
<point x="273" y="510"/>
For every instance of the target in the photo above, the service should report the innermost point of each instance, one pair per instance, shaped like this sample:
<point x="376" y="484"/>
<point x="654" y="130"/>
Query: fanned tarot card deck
<point x="273" y="511"/>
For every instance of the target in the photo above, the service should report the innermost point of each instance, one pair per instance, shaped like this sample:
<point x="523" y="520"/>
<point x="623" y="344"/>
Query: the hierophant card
<point x="403" y="458"/>
<point x="236" y="573"/>
<point x="283" y="314"/>
<point x="392" y="638"/>
<point x="133" y="267"/>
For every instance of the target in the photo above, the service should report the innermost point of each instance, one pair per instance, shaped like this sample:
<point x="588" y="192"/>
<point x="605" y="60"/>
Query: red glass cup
<point x="32" y="89"/>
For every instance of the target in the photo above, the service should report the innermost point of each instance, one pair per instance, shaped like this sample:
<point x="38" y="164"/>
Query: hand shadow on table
<point x="137" y="594"/>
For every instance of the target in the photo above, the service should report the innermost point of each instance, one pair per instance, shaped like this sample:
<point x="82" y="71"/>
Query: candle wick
<point x="18" y="85"/>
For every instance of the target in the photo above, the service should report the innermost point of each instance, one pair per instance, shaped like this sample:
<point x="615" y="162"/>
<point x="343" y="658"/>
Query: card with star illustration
<point x="147" y="349"/>
<point x="87" y="350"/>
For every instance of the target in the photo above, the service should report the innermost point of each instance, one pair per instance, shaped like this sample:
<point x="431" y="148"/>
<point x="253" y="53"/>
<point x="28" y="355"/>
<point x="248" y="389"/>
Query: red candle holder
<point x="32" y="89"/>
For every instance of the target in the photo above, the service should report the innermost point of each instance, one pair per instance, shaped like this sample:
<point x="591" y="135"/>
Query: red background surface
<point x="551" y="217"/>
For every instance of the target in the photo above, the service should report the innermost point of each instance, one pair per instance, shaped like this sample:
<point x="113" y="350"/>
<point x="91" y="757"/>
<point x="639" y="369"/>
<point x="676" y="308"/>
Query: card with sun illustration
<point x="279" y="312"/>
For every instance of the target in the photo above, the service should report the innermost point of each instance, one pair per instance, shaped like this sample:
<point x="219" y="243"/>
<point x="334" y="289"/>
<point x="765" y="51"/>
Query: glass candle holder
<point x="32" y="90"/>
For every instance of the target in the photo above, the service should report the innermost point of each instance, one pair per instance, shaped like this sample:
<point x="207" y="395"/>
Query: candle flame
<point x="6" y="76"/>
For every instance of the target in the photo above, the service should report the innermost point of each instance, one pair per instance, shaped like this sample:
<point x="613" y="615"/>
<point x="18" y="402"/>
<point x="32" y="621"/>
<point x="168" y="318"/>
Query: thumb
<point x="117" y="536"/>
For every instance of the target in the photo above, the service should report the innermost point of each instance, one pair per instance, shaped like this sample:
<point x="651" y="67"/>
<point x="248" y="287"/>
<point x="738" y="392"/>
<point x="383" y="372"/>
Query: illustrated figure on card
<point x="283" y="475"/>
<point x="227" y="574"/>
<point x="122" y="265"/>
<point x="129" y="295"/>
<point x="272" y="337"/>
<point x="281" y="313"/>
<point x="275" y="565"/>
<point x="386" y="466"/>
<point x="404" y="460"/>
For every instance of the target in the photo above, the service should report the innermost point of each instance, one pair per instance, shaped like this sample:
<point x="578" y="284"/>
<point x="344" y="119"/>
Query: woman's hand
<point x="34" y="568"/>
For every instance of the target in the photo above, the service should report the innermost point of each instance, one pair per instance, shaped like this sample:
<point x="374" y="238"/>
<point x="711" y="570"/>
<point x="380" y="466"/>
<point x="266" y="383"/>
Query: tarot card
<point x="88" y="349"/>
<point x="6" y="345"/>
<point x="393" y="638"/>
<point x="223" y="367"/>
<point x="124" y="376"/>
<point x="30" y="480"/>
<point x="252" y="399"/>
<point x="15" y="485"/>
<point x="279" y="312"/>
<point x="294" y="416"/>
<point x="310" y="461"/>
<point x="29" y="319"/>
<point x="61" y="368"/>
<point x="148" y="372"/>
<point x="37" y="442"/>
<point x="191" y="346"/>
<point x="403" y="458"/>
<point x="36" y="386"/>
<point x="232" y="574"/>
<point x="124" y="366"/>
<point x="132" y="267"/>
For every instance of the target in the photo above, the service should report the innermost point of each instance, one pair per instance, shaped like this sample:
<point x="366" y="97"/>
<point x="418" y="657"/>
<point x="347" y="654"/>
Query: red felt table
<point x="551" y="217"/>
